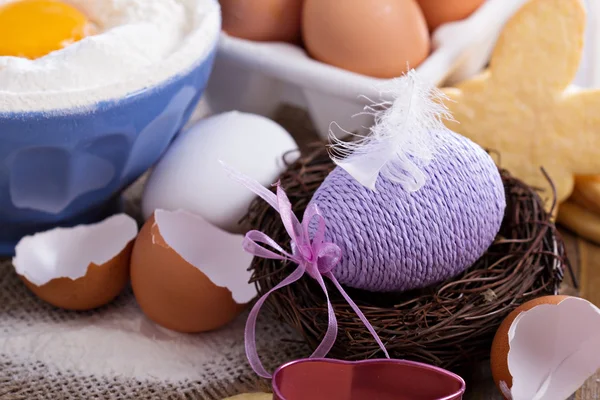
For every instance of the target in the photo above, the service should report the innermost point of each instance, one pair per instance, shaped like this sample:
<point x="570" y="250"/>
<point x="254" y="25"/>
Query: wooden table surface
<point x="585" y="257"/>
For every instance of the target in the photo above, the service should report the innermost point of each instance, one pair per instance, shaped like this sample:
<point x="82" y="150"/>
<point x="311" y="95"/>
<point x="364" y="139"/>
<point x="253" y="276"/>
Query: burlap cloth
<point x="116" y="353"/>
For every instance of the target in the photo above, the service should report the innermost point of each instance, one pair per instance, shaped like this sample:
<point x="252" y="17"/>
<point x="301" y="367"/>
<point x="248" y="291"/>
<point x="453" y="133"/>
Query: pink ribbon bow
<point x="313" y="255"/>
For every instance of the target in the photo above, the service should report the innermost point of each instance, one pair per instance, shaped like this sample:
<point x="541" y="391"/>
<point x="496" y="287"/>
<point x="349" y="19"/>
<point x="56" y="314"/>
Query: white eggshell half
<point x="216" y="253"/>
<point x="190" y="177"/>
<point x="68" y="252"/>
<point x="554" y="349"/>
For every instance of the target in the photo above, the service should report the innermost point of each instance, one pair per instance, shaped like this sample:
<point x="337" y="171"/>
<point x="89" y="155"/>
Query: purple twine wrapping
<point x="394" y="240"/>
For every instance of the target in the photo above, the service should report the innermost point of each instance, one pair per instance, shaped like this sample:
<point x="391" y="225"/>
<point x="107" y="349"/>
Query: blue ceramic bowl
<point x="67" y="168"/>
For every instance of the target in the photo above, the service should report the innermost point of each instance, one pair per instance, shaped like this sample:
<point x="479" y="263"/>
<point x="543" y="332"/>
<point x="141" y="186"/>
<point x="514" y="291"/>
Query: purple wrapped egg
<point x="395" y="240"/>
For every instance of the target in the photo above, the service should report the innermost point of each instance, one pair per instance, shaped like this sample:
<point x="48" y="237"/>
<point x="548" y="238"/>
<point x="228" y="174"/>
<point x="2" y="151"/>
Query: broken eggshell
<point x="547" y="348"/>
<point x="188" y="275"/>
<point x="78" y="268"/>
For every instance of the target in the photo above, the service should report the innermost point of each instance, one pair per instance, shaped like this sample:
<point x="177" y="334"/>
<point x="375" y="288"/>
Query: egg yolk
<point x="34" y="28"/>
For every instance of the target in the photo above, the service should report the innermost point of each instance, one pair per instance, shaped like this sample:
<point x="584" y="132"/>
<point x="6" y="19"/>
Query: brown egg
<point x="438" y="12"/>
<point x="262" y="20"/>
<point x="99" y="286"/>
<point x="174" y="293"/>
<point x="371" y="37"/>
<point x="500" y="345"/>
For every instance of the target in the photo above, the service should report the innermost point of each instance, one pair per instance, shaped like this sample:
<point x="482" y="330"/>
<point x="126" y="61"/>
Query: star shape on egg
<point x="523" y="106"/>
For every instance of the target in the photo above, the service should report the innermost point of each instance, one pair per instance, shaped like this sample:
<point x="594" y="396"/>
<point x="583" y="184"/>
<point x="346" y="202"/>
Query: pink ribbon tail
<point x="360" y="314"/>
<point x="250" y="332"/>
<point x="332" y="326"/>
<point x="312" y="254"/>
<point x="330" y="336"/>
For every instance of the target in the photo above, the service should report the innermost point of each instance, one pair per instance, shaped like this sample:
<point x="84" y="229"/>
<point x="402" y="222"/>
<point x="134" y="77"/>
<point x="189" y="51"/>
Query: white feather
<point x="400" y="142"/>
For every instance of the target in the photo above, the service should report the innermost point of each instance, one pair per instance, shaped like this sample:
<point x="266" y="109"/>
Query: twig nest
<point x="393" y="239"/>
<point x="78" y="268"/>
<point x="188" y="275"/>
<point x="450" y="324"/>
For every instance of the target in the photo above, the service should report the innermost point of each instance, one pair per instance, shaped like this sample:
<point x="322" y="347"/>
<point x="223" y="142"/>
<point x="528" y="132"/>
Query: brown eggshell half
<point x="438" y="12"/>
<point x="172" y="292"/>
<point x="500" y="345"/>
<point x="98" y="287"/>
<point x="263" y="20"/>
<point x="378" y="38"/>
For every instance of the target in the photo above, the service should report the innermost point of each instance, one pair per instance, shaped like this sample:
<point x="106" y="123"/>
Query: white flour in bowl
<point x="141" y="43"/>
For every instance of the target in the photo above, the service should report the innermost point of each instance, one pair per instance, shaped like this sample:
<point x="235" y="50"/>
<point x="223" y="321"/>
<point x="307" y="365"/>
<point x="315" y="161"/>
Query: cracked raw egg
<point x="34" y="28"/>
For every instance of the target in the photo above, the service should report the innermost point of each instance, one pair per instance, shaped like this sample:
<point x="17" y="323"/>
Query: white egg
<point x="190" y="176"/>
